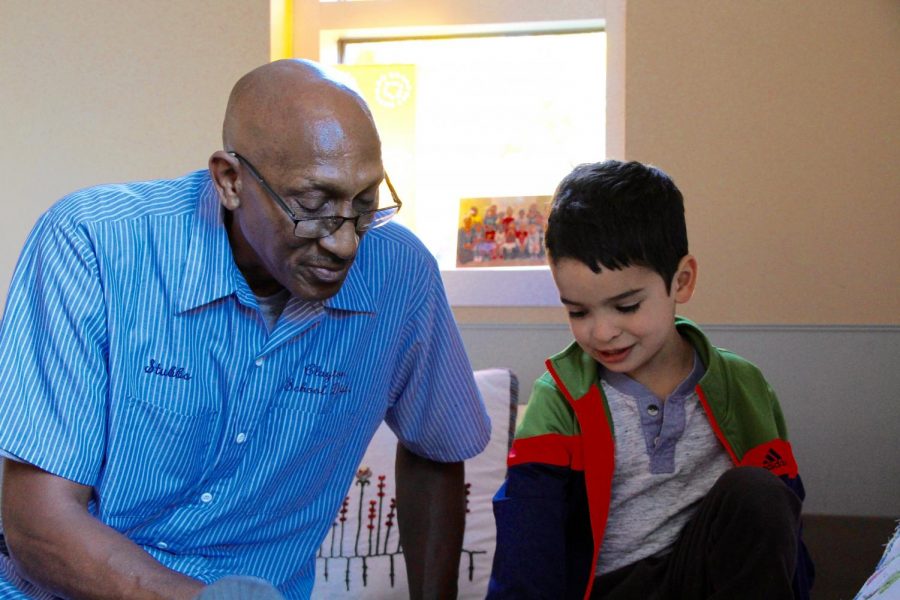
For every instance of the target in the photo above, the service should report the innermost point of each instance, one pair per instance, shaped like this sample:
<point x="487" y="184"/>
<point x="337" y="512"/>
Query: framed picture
<point x="502" y="231"/>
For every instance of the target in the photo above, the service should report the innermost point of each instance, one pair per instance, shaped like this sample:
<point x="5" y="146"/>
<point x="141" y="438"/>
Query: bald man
<point x="191" y="369"/>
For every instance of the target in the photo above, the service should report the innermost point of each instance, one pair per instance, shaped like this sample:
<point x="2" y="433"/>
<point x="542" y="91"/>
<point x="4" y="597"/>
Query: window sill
<point x="511" y="286"/>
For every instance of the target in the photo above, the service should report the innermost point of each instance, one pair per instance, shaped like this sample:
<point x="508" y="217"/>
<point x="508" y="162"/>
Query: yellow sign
<point x="390" y="91"/>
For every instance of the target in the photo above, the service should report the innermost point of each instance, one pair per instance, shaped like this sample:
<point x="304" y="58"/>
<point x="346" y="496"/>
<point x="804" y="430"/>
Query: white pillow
<point x="357" y="562"/>
<point x="884" y="583"/>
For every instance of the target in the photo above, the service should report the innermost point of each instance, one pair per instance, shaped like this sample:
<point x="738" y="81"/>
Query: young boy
<point x="649" y="464"/>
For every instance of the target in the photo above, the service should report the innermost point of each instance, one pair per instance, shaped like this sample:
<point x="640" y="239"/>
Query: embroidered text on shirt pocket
<point x="316" y="389"/>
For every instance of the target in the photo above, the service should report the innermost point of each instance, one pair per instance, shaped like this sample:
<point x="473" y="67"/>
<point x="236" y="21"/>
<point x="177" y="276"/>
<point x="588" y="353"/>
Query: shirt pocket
<point x="155" y="455"/>
<point x="309" y="460"/>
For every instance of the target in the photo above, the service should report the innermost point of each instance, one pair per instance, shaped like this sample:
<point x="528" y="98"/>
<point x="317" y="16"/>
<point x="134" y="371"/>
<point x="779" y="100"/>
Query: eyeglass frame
<point x="338" y="219"/>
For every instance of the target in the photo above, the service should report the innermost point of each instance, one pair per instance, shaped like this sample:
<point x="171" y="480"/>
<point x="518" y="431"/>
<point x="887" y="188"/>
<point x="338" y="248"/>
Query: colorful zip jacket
<point x="552" y="509"/>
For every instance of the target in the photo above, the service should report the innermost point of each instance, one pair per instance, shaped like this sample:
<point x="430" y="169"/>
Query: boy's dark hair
<point x="618" y="214"/>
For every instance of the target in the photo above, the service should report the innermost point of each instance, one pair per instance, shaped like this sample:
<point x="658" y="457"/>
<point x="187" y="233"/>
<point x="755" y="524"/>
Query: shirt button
<point x="652" y="410"/>
<point x="162" y="545"/>
<point x="656" y="441"/>
<point x="260" y="361"/>
<point x="240" y="438"/>
<point x="205" y="497"/>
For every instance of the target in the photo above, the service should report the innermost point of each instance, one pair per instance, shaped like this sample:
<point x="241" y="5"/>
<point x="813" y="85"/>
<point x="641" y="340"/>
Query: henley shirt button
<point x="652" y="410"/>
<point x="162" y="545"/>
<point x="260" y="361"/>
<point x="240" y="438"/>
<point x="205" y="497"/>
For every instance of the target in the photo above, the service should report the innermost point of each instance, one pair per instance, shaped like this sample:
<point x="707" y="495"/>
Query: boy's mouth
<point x="613" y="356"/>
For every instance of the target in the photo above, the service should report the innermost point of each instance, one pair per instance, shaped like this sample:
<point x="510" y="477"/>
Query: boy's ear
<point x="685" y="279"/>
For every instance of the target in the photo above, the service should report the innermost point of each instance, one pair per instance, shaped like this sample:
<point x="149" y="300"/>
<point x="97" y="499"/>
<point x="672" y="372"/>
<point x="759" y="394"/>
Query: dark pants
<point x="742" y="543"/>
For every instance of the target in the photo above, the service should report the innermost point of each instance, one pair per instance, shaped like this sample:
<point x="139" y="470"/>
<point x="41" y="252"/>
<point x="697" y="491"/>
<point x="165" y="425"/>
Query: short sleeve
<point x="437" y="411"/>
<point x="53" y="375"/>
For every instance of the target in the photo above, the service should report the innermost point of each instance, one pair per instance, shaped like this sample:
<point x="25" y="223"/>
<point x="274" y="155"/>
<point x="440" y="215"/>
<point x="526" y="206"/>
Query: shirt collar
<point x="354" y="295"/>
<point x="209" y="269"/>
<point x="626" y="385"/>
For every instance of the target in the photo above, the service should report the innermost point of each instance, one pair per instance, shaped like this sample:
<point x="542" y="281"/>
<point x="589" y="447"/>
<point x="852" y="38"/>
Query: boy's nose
<point x="606" y="330"/>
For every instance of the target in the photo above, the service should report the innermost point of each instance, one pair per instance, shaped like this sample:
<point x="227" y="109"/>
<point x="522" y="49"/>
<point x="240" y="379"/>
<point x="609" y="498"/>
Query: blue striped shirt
<point x="134" y="359"/>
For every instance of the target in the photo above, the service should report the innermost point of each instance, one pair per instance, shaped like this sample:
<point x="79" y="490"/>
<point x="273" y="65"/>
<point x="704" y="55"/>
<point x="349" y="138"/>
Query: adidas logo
<point x="773" y="460"/>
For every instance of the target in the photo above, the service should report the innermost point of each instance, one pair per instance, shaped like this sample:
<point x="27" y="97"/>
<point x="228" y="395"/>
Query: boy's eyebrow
<point x="622" y="296"/>
<point x="612" y="300"/>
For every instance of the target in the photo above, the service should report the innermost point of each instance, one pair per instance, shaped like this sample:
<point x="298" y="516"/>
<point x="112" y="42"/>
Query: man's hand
<point x="431" y="512"/>
<point x="59" y="546"/>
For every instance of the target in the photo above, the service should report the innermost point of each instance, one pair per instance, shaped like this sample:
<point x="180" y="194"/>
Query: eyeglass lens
<point x="324" y="226"/>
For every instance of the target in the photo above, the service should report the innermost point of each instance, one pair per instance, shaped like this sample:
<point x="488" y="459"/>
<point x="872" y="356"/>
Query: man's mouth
<point x="328" y="274"/>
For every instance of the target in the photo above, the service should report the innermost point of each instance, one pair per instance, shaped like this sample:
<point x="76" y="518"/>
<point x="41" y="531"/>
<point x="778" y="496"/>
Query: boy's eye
<point x="629" y="308"/>
<point x="576" y="314"/>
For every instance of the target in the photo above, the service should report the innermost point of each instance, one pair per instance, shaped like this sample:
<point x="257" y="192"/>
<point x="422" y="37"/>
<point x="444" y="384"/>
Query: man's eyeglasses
<point x="320" y="227"/>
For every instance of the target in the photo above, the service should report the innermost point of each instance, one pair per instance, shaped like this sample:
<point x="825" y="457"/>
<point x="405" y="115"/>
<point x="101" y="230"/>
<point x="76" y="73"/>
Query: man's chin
<point x="315" y="291"/>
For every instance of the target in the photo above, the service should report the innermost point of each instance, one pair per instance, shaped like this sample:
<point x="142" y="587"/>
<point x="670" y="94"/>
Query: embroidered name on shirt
<point x="175" y="372"/>
<point x="318" y="380"/>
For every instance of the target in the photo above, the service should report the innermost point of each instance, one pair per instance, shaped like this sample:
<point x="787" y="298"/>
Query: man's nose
<point x="343" y="242"/>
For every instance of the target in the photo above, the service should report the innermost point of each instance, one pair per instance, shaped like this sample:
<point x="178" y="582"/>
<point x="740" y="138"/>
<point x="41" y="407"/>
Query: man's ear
<point x="223" y="170"/>
<point x="685" y="279"/>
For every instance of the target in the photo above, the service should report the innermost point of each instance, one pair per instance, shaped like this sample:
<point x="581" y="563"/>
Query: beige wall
<point x="780" y="122"/>
<point x="112" y="90"/>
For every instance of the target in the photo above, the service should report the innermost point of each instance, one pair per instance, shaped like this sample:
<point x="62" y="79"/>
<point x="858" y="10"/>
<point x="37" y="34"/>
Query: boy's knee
<point x="756" y="493"/>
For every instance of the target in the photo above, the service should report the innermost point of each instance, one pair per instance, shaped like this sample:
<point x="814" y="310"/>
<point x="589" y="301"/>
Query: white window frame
<point x="318" y="26"/>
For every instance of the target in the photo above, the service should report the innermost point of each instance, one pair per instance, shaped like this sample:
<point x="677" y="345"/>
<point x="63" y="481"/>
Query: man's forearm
<point x="431" y="511"/>
<point x="98" y="565"/>
<point x="57" y="545"/>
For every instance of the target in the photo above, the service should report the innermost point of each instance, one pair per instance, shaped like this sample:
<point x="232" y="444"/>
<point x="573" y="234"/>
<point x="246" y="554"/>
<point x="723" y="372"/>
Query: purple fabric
<point x="661" y="421"/>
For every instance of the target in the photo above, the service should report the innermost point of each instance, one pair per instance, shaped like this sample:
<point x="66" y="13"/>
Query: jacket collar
<point x="577" y="371"/>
